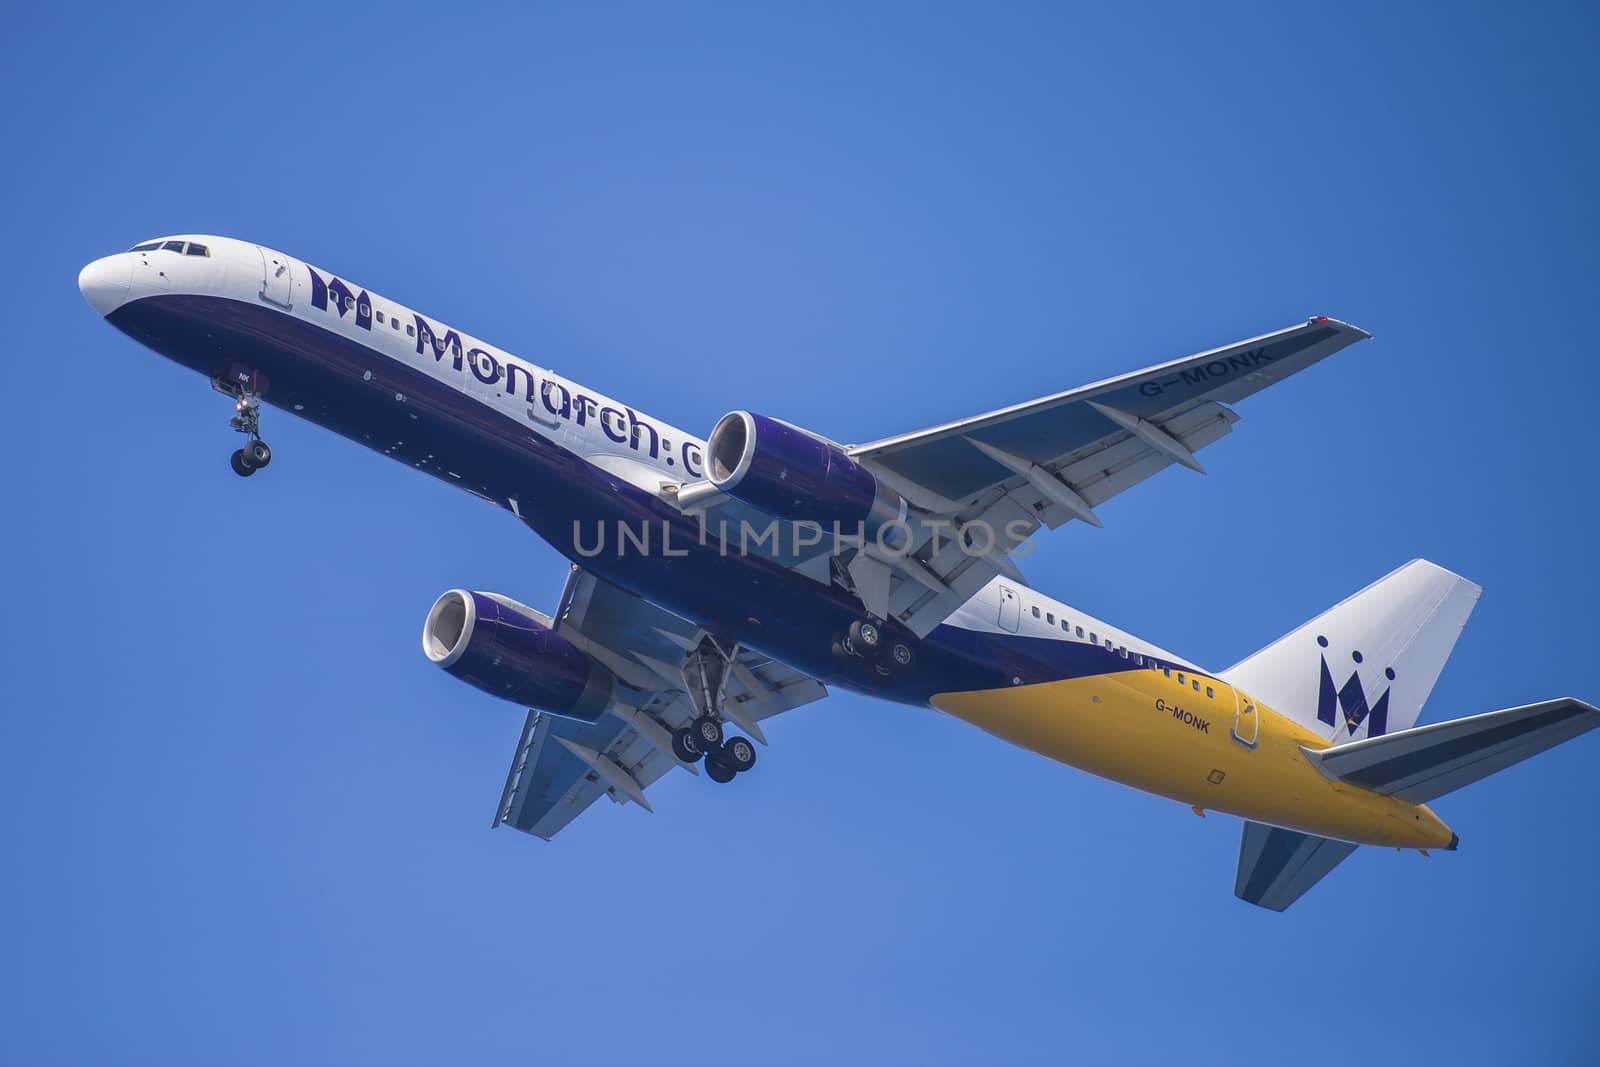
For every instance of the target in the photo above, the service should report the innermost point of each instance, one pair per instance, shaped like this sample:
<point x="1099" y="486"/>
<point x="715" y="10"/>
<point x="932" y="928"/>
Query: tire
<point x="840" y="651"/>
<point x="684" y="746"/>
<point x="880" y="670"/>
<point x="241" y="466"/>
<point x="739" y="753"/>
<point x="257" y="454"/>
<point x="717" y="769"/>
<point x="901" y="656"/>
<point x="707" y="733"/>
<point x="865" y="636"/>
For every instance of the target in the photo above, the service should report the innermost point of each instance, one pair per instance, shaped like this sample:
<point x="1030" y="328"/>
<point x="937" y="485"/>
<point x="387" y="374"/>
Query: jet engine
<point x="509" y="650"/>
<point x="795" y="475"/>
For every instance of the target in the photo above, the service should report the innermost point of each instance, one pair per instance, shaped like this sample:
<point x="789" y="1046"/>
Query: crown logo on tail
<point x="1349" y="702"/>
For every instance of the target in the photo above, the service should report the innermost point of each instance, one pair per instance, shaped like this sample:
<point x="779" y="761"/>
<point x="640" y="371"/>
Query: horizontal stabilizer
<point x="1276" y="866"/>
<point x="1430" y="761"/>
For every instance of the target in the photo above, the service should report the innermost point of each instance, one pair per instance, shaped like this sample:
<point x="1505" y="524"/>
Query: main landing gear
<point x="883" y="658"/>
<point x="706" y="673"/>
<point x="247" y="420"/>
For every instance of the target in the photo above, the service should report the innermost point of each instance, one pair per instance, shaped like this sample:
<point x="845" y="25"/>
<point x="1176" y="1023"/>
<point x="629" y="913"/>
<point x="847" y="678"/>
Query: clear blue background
<point x="245" y="821"/>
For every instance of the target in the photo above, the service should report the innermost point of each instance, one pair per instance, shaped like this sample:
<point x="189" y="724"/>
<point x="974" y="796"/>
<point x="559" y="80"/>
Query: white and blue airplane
<point x="718" y="582"/>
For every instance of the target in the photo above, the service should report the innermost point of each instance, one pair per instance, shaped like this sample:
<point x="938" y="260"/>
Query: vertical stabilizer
<point x="1364" y="667"/>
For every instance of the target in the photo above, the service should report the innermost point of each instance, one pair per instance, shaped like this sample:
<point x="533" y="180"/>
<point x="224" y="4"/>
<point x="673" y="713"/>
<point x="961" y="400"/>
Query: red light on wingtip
<point x="1322" y="318"/>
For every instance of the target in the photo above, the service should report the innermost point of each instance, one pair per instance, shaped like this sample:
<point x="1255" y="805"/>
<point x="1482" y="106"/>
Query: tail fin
<point x="1364" y="667"/>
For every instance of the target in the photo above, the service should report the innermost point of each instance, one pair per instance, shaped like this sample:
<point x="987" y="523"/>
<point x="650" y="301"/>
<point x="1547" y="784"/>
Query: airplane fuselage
<point x="597" y="479"/>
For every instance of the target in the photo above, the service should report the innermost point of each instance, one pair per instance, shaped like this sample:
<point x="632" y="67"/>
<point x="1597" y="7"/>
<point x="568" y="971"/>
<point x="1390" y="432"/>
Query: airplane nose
<point x="104" y="283"/>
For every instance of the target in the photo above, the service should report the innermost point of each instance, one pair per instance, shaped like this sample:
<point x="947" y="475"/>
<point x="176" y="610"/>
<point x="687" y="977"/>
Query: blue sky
<point x="245" y="821"/>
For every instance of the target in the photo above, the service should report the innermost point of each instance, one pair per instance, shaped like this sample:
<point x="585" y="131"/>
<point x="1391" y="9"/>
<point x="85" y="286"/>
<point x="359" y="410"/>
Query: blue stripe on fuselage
<point x="758" y="603"/>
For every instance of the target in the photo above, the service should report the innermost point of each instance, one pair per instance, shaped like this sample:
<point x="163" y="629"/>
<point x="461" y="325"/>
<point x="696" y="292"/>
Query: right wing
<point x="1040" y="463"/>
<point x="561" y="766"/>
<point x="1051" y="460"/>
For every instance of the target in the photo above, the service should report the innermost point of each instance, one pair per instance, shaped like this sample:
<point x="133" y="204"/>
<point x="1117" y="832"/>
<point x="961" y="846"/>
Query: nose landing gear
<point x="247" y="420"/>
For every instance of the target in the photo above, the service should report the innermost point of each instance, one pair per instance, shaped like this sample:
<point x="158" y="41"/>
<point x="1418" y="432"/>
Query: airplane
<point x="718" y="582"/>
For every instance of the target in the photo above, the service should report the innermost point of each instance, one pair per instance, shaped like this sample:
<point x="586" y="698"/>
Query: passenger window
<point x="456" y="350"/>
<point x="349" y="303"/>
<point x="1209" y="693"/>
<point x="411" y="331"/>
<point x="1137" y="658"/>
<point x="1123" y="651"/>
<point x="1093" y="640"/>
<point x="173" y="246"/>
<point x="396" y="324"/>
<point x="197" y="250"/>
<point x="1080" y="631"/>
<point x="1180" y="677"/>
<point x="1036" y="613"/>
<point x="380" y="318"/>
<point x="1168" y="672"/>
<point x="1065" y="628"/>
<point x="1050" y="617"/>
<point x="1196" y="683"/>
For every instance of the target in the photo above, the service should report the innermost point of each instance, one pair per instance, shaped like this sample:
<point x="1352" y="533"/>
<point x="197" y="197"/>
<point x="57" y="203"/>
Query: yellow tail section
<point x="1195" y="739"/>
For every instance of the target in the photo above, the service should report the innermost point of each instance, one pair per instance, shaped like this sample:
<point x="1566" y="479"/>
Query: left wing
<point x="561" y="766"/>
<point x="1047" y="461"/>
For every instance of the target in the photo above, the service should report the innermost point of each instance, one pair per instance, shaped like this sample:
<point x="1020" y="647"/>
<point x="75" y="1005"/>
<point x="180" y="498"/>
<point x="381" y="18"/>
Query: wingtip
<point x="1324" y="320"/>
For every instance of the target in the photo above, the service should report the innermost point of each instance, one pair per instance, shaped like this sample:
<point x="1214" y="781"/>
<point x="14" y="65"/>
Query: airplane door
<point x="1246" y="720"/>
<point x="1010" y="609"/>
<point x="277" y="280"/>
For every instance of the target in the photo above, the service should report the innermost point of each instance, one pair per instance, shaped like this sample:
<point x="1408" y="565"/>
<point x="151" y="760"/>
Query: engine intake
<point x="508" y="650"/>
<point x="794" y="475"/>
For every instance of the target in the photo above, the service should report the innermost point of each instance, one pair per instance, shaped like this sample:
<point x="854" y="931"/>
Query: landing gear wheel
<point x="707" y="733"/>
<point x="901" y="656"/>
<point x="718" y="769"/>
<point x="258" y="454"/>
<point x="739" y="753"/>
<point x="241" y="466"/>
<point x="840" y="651"/>
<point x="685" y="747"/>
<point x="865" y="636"/>
<point x="880" y="670"/>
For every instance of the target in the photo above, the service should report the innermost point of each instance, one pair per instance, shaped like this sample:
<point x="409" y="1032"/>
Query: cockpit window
<point x="175" y="246"/>
<point x="147" y="247"/>
<point x="197" y="250"/>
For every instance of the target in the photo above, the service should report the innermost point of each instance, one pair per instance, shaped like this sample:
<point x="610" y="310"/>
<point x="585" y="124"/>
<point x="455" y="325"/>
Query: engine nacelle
<point x="499" y="646"/>
<point x="794" y="475"/>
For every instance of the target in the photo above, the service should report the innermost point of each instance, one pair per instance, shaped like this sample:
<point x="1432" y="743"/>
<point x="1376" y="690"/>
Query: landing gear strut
<point x="247" y="420"/>
<point x="705" y="673"/>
